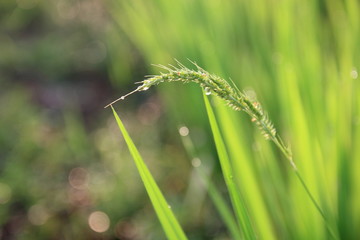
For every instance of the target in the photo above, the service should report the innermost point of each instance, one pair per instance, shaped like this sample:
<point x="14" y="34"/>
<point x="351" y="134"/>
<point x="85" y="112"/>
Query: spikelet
<point x="217" y="86"/>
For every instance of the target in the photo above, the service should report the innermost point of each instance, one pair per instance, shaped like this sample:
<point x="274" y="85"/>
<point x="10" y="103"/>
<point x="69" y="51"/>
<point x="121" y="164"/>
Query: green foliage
<point x="302" y="59"/>
<point x="62" y="158"/>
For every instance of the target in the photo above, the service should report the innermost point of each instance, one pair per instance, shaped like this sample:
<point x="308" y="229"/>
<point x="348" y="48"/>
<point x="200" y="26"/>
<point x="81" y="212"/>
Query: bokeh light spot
<point x="354" y="74"/>
<point x="78" y="178"/>
<point x="38" y="214"/>
<point x="99" y="221"/>
<point x="196" y="162"/>
<point x="184" y="131"/>
<point x="125" y="230"/>
<point x="149" y="112"/>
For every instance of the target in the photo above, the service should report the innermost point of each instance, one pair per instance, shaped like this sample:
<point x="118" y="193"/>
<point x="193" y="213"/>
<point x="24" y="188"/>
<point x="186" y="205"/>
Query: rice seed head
<point x="219" y="87"/>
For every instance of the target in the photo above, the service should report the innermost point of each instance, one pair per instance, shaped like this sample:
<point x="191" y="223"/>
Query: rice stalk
<point x="234" y="98"/>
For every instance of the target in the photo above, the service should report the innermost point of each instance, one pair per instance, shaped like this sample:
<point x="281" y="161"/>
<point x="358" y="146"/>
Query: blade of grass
<point x="167" y="218"/>
<point x="235" y="196"/>
<point x="233" y="129"/>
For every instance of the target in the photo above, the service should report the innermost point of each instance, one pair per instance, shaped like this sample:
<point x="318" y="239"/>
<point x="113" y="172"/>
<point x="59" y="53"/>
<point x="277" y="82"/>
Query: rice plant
<point x="238" y="101"/>
<point x="302" y="60"/>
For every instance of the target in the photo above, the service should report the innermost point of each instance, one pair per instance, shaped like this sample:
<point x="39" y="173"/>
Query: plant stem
<point x="329" y="228"/>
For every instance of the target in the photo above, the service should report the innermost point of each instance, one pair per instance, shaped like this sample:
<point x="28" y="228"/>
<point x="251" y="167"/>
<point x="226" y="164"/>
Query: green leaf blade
<point x="228" y="172"/>
<point x="167" y="218"/>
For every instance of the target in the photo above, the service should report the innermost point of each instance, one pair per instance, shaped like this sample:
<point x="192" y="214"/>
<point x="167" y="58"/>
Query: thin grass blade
<point x="228" y="172"/>
<point x="167" y="218"/>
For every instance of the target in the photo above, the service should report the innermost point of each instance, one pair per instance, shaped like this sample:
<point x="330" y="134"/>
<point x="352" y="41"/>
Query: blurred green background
<point x="65" y="172"/>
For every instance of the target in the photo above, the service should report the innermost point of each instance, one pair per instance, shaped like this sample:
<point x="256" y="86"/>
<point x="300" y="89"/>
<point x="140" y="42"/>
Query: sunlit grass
<point x="239" y="205"/>
<point x="163" y="209"/>
<point x="302" y="60"/>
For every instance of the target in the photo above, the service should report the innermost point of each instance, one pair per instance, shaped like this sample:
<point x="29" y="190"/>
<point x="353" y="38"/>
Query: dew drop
<point x="207" y="91"/>
<point x="253" y="119"/>
<point x="122" y="98"/>
<point x="169" y="206"/>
